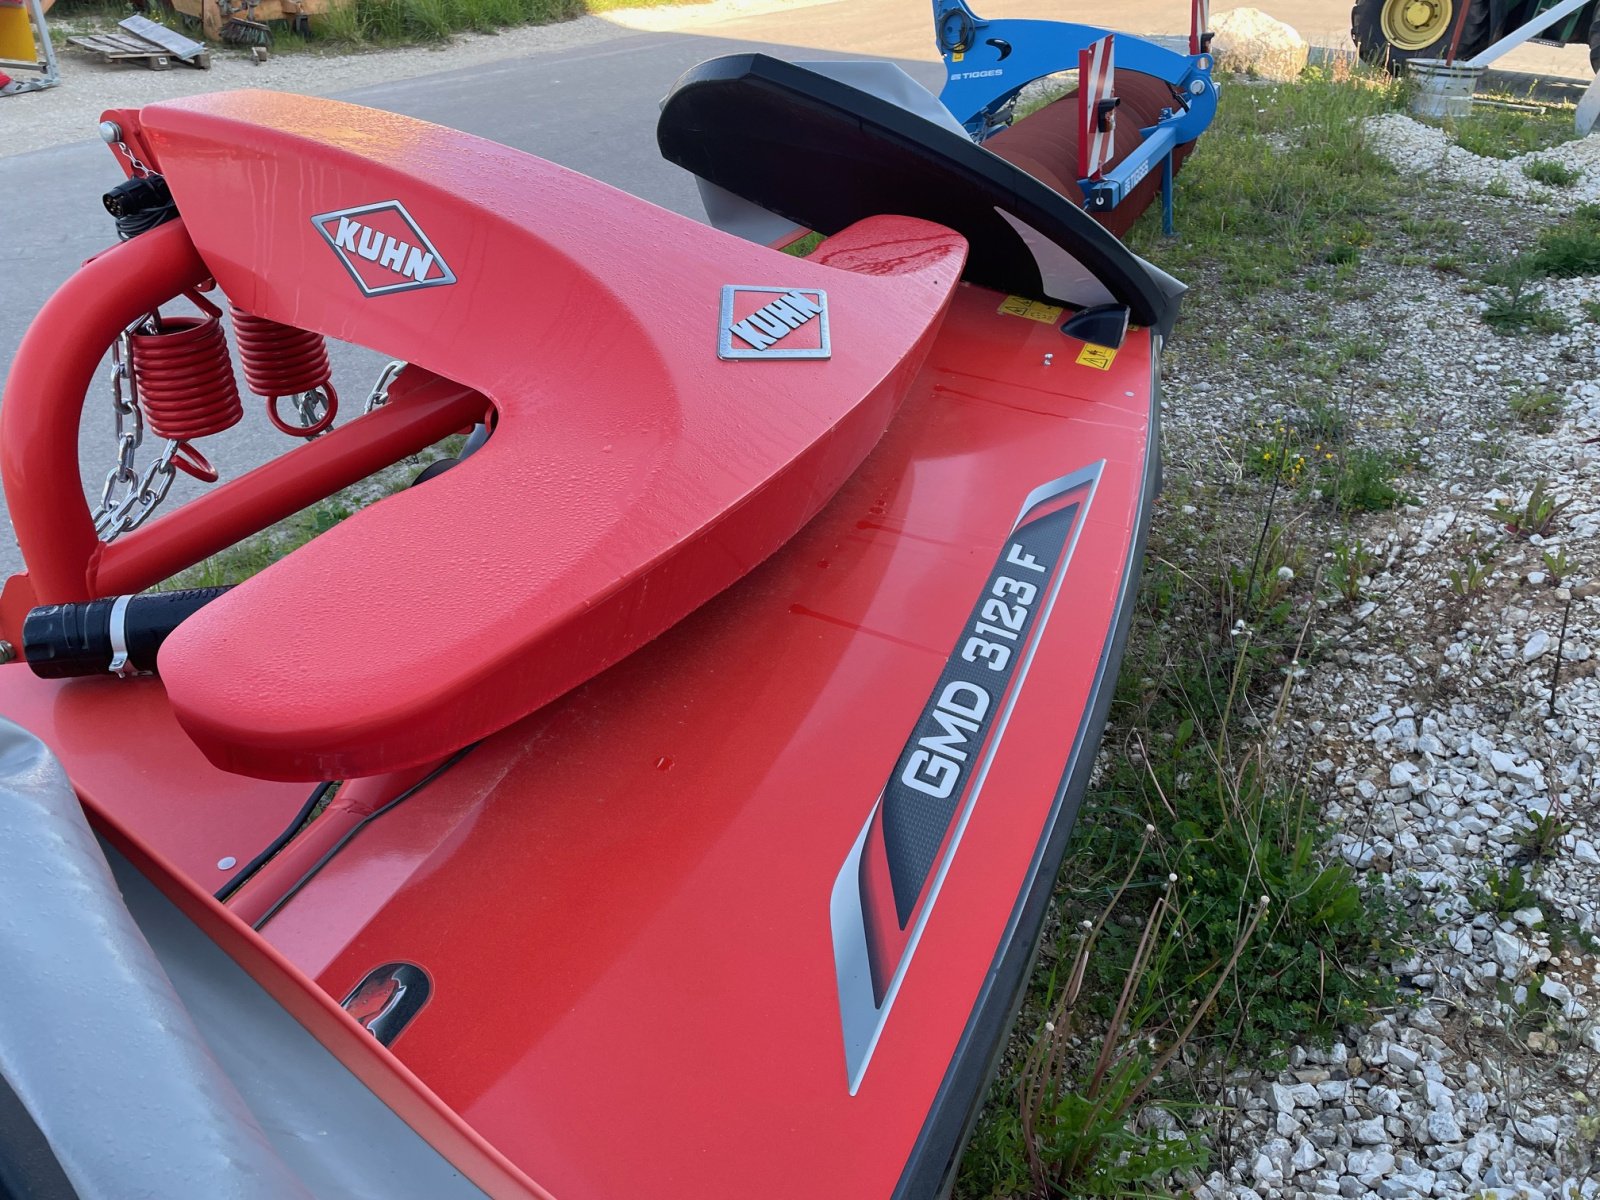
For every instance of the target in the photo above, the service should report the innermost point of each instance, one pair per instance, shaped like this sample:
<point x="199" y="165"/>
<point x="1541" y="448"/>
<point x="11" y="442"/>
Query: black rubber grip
<point x="61" y="641"/>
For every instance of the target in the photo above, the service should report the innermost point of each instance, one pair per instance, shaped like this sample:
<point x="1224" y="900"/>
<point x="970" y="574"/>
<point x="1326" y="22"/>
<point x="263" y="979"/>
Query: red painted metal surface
<point x="626" y="903"/>
<point x="627" y="481"/>
<point x="623" y="901"/>
<point x="39" y="423"/>
<point x="355" y="802"/>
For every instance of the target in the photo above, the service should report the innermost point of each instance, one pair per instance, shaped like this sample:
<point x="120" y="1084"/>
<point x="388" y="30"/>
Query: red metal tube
<point x="415" y="417"/>
<point x="44" y="397"/>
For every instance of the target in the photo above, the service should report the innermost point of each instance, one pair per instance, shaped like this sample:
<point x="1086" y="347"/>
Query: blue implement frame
<point x="987" y="63"/>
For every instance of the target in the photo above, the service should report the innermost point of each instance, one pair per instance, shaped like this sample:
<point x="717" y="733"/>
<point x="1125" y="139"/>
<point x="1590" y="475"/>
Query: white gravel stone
<point x="1535" y="646"/>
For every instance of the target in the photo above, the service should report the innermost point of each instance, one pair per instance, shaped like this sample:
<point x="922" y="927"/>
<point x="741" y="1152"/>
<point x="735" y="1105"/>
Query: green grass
<point x="801" y="247"/>
<point x="1363" y="480"/>
<point x="254" y="555"/>
<point x="1284" y="183"/>
<point x="1571" y="247"/>
<point x="394" y="22"/>
<point x="1551" y="173"/>
<point x="1508" y="133"/>
<point x="1515" y="302"/>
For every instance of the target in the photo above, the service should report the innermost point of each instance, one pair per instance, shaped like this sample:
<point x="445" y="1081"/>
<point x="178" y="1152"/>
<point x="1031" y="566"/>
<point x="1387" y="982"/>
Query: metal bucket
<point x="1443" y="89"/>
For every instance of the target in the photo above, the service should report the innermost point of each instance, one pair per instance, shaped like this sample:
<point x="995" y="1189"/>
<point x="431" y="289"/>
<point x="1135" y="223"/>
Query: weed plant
<point x="1551" y="173"/>
<point x="1535" y="515"/>
<point x="1537" y="408"/>
<point x="1504" y="894"/>
<point x="1518" y="307"/>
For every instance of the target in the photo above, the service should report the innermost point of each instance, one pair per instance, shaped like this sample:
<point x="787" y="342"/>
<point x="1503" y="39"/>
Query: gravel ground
<point x="1425" y="149"/>
<point x="1428" y="727"/>
<point x="70" y="112"/>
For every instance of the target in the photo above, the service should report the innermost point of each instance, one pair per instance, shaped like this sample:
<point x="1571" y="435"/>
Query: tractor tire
<point x="1389" y="32"/>
<point x="1594" y="43"/>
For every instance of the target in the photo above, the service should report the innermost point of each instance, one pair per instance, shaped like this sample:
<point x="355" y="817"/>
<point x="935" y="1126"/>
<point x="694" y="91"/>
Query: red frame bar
<point x="416" y="416"/>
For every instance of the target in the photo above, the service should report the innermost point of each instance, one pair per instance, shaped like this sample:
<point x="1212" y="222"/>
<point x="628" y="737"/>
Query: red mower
<point x="661" y="801"/>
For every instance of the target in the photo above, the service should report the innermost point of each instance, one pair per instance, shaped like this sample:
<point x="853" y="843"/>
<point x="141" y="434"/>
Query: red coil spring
<point x="280" y="360"/>
<point x="185" y="381"/>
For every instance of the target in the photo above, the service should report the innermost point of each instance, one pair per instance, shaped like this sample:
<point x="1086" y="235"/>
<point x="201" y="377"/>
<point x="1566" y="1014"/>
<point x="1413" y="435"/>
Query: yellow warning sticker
<point x="1098" y="357"/>
<point x="1033" y="310"/>
<point x="957" y="56"/>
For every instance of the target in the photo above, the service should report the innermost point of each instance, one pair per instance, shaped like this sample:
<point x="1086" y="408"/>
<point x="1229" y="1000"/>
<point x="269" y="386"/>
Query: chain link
<point x="380" y="390"/>
<point x="133" y="160"/>
<point x="127" y="499"/>
<point x="142" y="500"/>
<point x="311" y="407"/>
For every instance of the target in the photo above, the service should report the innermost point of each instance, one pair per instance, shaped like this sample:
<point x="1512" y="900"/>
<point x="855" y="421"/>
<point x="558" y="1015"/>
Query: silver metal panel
<point x="338" y="1138"/>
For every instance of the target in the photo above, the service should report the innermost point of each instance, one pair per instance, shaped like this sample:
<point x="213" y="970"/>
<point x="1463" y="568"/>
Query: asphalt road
<point x="591" y="108"/>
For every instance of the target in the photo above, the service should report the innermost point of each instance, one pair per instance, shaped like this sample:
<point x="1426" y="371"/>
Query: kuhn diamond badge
<point x="383" y="248"/>
<point x="773" y="322"/>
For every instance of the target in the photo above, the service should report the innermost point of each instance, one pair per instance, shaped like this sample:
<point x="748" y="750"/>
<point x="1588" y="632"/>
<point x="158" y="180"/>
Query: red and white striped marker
<point x="1097" y="117"/>
<point x="1199" y="20"/>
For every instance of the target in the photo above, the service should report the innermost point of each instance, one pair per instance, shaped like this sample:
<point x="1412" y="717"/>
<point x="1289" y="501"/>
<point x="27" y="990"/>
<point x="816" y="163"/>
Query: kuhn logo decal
<point x="773" y="322"/>
<point x="383" y="248"/>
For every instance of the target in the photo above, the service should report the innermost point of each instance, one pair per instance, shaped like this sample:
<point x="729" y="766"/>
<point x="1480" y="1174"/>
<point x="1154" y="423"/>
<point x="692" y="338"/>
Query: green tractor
<point x="1388" y="32"/>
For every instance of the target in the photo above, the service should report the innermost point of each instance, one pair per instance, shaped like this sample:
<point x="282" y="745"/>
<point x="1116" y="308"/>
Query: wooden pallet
<point x="126" y="47"/>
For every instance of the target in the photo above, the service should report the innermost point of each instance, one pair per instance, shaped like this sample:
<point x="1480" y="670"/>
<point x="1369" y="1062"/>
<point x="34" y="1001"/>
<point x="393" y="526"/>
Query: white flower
<point x="1285" y="574"/>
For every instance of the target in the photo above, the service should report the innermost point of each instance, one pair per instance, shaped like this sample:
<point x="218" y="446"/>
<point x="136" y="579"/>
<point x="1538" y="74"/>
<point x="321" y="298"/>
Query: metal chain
<point x="133" y="160"/>
<point x="135" y="508"/>
<point x="311" y="406"/>
<point x="127" y="499"/>
<point x="379" y="395"/>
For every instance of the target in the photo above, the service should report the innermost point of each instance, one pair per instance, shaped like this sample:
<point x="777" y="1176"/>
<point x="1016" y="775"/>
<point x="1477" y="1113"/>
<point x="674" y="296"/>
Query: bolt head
<point x="110" y="132"/>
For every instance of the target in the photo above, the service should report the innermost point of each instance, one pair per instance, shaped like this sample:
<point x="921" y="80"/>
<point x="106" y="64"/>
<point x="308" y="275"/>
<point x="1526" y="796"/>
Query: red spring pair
<point x="185" y="376"/>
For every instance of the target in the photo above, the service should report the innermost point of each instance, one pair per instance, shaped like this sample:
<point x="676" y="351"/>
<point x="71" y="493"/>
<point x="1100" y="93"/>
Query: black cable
<point x="360" y="825"/>
<point x="278" y="843"/>
<point x="134" y="224"/>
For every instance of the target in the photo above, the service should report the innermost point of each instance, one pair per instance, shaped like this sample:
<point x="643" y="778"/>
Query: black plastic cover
<point x="825" y="155"/>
